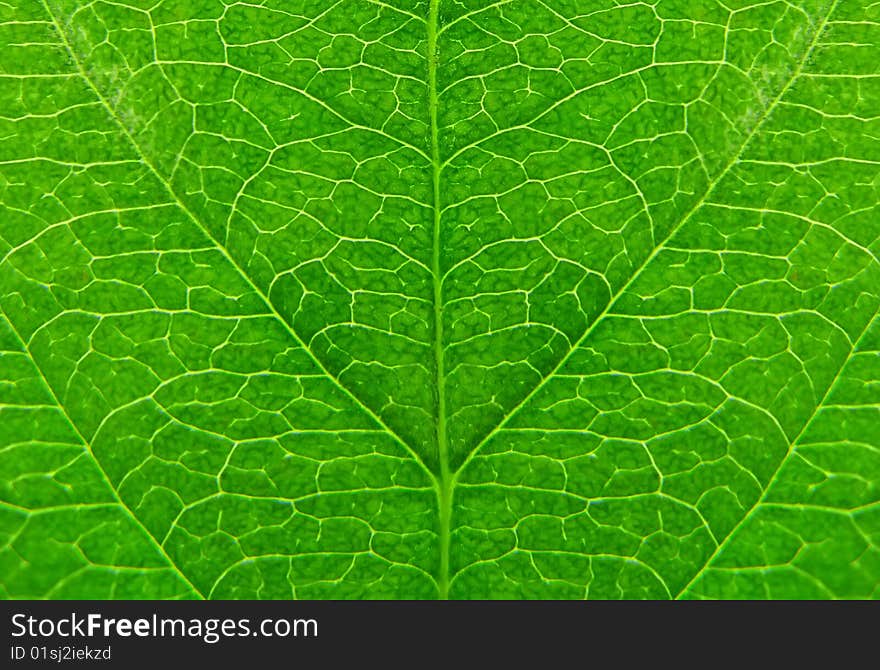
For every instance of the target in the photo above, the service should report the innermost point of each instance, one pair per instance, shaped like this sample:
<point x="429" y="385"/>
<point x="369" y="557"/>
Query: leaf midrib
<point x="444" y="480"/>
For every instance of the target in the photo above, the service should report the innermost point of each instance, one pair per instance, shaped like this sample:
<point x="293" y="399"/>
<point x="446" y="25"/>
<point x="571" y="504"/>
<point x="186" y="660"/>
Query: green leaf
<point x="447" y="298"/>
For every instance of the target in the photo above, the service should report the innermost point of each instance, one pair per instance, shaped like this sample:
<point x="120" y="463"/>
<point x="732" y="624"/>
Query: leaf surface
<point x="555" y="299"/>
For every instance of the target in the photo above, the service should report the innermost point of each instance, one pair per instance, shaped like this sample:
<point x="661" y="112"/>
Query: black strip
<point x="465" y="634"/>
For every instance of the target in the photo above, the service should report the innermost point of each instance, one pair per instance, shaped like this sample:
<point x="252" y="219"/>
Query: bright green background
<point x="459" y="298"/>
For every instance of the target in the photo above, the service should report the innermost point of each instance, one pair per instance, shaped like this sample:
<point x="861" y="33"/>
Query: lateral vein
<point x="661" y="246"/>
<point x="85" y="443"/>
<point x="791" y="447"/>
<point x="223" y="251"/>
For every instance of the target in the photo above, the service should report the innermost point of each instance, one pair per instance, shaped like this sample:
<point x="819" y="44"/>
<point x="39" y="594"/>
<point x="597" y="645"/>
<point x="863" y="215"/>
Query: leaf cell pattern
<point x="447" y="298"/>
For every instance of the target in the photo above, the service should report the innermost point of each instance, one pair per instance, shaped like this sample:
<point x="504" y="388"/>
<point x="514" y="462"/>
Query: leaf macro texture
<point x="447" y="298"/>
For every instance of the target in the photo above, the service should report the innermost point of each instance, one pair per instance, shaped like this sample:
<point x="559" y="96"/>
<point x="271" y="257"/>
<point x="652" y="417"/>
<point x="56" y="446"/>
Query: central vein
<point x="444" y="482"/>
